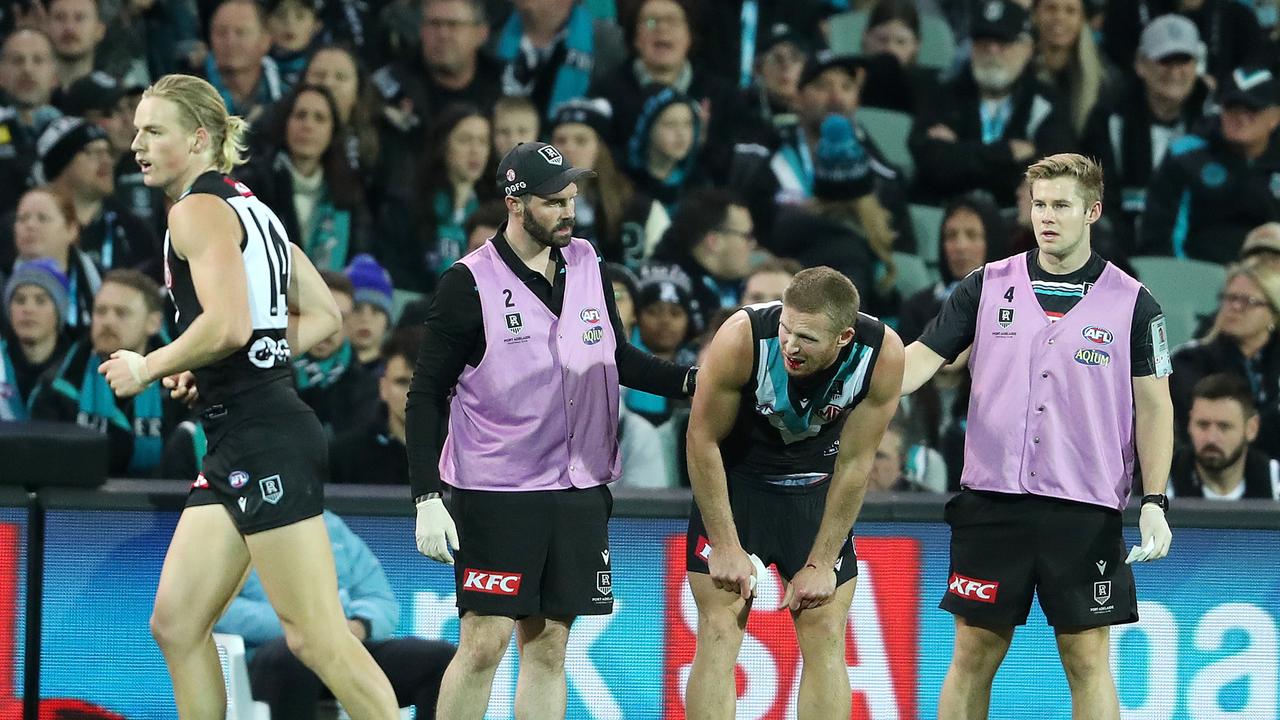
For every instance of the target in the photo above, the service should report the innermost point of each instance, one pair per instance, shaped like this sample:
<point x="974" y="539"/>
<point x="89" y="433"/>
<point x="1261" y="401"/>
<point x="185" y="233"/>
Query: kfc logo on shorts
<point x="970" y="589"/>
<point x="492" y="583"/>
<point x="238" y="479"/>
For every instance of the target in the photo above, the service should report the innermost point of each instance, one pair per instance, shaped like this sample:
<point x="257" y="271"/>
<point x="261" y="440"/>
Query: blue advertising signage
<point x="1206" y="646"/>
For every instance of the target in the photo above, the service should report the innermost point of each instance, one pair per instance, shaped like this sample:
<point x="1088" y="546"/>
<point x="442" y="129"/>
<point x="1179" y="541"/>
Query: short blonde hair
<point x="822" y="290"/>
<point x="1085" y="171"/>
<point x="201" y="106"/>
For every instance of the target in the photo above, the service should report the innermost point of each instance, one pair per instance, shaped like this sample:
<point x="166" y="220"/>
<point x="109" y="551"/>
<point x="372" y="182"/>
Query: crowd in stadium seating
<point x="735" y="142"/>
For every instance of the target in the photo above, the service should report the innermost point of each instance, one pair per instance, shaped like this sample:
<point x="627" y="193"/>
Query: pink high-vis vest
<point x="540" y="411"/>
<point x="1051" y="410"/>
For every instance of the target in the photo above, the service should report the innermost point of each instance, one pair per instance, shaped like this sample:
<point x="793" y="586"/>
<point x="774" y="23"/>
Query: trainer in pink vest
<point x="1051" y="410"/>
<point x="540" y="412"/>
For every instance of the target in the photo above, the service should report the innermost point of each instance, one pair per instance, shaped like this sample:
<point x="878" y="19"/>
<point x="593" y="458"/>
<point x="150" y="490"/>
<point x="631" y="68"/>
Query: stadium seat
<point x="926" y="220"/>
<point x="913" y="274"/>
<point x="1186" y="290"/>
<point x="937" y="41"/>
<point x="889" y="130"/>
<point x="235" y="673"/>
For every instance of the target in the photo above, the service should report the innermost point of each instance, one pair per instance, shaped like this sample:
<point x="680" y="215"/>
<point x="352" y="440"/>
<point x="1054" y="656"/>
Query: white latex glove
<point x="1156" y="536"/>
<point x="435" y="531"/>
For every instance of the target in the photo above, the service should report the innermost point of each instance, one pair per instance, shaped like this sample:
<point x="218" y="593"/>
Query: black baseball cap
<point x="1253" y="87"/>
<point x="1001" y="20"/>
<point x="536" y="168"/>
<point x="824" y="60"/>
<point x="95" y="91"/>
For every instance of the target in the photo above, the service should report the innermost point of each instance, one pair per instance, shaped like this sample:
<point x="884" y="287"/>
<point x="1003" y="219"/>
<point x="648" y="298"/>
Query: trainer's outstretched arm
<point x="922" y="363"/>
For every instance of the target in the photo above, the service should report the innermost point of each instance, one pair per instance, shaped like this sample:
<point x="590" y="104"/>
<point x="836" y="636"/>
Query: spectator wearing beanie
<point x="605" y="208"/>
<point x="846" y="227"/>
<point x="667" y="317"/>
<point x="76" y="160"/>
<point x="45" y="226"/>
<point x="35" y="305"/>
<point x="662" y="153"/>
<point x="371" y="317"/>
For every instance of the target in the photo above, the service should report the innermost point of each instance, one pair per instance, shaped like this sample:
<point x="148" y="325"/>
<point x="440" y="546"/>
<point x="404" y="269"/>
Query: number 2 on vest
<point x="507" y="294"/>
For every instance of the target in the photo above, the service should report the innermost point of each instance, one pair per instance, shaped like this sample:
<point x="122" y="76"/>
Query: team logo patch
<point x="970" y="589"/>
<point x="238" y="479"/>
<point x="1099" y="335"/>
<point x="593" y="336"/>
<point x="590" y="315"/>
<point x="551" y="155"/>
<point x="1102" y="592"/>
<point x="1092" y="358"/>
<point x="492" y="583"/>
<point x="511" y="175"/>
<point x="272" y="489"/>
<point x="514" y="323"/>
<point x="604" y="582"/>
<point x="1005" y="317"/>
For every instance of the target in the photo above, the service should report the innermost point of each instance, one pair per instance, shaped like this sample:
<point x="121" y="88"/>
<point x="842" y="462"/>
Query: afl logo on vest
<point x="590" y="315"/>
<point x="1095" y="334"/>
<point x="1093" y="358"/>
<point x="593" y="336"/>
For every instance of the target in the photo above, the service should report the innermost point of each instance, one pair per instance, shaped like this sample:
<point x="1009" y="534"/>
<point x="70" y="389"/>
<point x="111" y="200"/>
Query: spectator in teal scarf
<point x="126" y="316"/>
<point x="309" y="180"/>
<point x="330" y="378"/>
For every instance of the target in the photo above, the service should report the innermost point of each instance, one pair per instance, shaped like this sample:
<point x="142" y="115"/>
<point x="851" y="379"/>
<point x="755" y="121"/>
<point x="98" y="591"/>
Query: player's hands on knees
<point x="182" y="387"/>
<point x="1156" y="536"/>
<point x="731" y="569"/>
<point x="435" y="531"/>
<point x="810" y="588"/>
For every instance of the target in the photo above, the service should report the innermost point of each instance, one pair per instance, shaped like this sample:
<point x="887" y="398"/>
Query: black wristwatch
<point x="1158" y="499"/>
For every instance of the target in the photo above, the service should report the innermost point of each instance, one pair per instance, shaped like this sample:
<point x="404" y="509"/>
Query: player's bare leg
<point x="824" y="683"/>
<point x="711" y="693"/>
